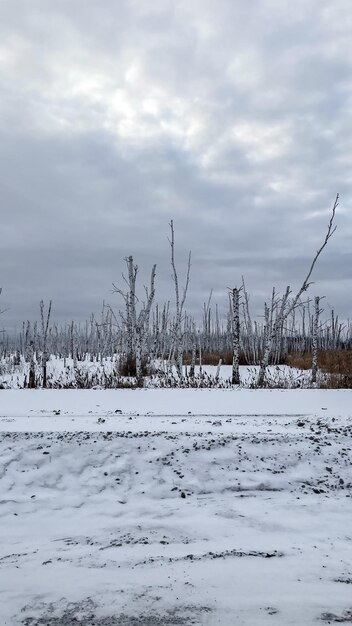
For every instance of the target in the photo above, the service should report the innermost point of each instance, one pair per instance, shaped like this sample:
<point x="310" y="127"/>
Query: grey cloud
<point x="232" y="118"/>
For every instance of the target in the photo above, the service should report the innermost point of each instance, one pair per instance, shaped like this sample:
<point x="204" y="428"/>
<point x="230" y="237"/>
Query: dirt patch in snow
<point x="84" y="614"/>
<point x="332" y="618"/>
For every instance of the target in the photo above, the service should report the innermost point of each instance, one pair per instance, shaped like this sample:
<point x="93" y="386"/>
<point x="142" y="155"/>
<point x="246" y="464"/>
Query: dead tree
<point x="179" y="303"/>
<point x="142" y="326"/>
<point x="248" y="326"/>
<point x="217" y="374"/>
<point x="45" y="327"/>
<point x="129" y="318"/>
<point x="137" y="327"/>
<point x="73" y="341"/>
<point x="207" y="323"/>
<point x="32" y="383"/>
<point x="287" y="306"/>
<point x="315" y="340"/>
<point x="193" y="351"/>
<point x="236" y="336"/>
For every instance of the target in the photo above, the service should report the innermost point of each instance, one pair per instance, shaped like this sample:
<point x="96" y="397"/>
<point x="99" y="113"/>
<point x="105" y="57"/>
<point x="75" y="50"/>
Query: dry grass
<point x="330" y="361"/>
<point x="336" y="364"/>
<point x="298" y="360"/>
<point x="213" y="358"/>
<point x="336" y="361"/>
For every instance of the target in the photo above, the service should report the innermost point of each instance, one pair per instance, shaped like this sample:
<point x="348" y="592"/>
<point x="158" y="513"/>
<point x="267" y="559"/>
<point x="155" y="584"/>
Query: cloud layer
<point x="232" y="118"/>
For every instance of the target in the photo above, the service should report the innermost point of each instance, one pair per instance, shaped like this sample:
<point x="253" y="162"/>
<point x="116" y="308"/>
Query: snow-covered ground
<point x="104" y="374"/>
<point x="165" y="507"/>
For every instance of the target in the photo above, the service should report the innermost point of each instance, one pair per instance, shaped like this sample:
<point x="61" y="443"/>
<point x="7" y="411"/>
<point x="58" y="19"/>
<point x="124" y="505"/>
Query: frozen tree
<point x="207" y="323"/>
<point x="315" y="340"/>
<point x="248" y="326"/>
<point x="45" y="319"/>
<point x="31" y="374"/>
<point x="73" y="344"/>
<point x="142" y="326"/>
<point x="236" y="336"/>
<point x="129" y="317"/>
<point x="137" y="327"/>
<point x="288" y="306"/>
<point x="193" y="351"/>
<point x="179" y="303"/>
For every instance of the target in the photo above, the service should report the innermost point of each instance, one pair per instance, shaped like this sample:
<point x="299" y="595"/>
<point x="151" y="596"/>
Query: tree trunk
<point x="31" y="376"/>
<point x="315" y="340"/>
<point x="236" y="336"/>
<point x="138" y="344"/>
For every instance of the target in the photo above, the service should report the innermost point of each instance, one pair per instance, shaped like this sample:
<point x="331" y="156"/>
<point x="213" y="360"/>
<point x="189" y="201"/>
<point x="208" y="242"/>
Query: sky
<point x="233" y="118"/>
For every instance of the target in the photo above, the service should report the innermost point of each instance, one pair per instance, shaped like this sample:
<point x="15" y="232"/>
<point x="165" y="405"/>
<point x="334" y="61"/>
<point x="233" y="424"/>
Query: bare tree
<point x="179" y="303"/>
<point x="236" y="336"/>
<point x="142" y="326"/>
<point x="193" y="351"/>
<point x="31" y="374"/>
<point x="248" y="325"/>
<point x="315" y="339"/>
<point x="287" y="306"/>
<point x="129" y="318"/>
<point x="137" y="327"/>
<point x="45" y="319"/>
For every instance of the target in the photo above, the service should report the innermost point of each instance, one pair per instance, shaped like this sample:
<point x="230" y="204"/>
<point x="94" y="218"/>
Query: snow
<point x="158" y="402"/>
<point x="61" y="373"/>
<point x="175" y="506"/>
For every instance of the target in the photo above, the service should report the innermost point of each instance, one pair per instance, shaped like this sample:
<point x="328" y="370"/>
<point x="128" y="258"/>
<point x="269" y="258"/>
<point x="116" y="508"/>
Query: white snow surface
<point x="163" y="507"/>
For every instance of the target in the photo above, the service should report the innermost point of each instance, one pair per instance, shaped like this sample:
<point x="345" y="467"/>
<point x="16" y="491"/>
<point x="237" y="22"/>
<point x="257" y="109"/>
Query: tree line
<point x="143" y="336"/>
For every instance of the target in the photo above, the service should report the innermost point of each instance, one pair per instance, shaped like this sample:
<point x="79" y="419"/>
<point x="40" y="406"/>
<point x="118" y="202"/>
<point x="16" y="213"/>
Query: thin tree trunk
<point x="236" y="336"/>
<point x="31" y="377"/>
<point x="315" y="340"/>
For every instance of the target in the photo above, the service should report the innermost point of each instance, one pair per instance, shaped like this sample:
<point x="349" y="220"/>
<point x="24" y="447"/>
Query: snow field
<point x="111" y="514"/>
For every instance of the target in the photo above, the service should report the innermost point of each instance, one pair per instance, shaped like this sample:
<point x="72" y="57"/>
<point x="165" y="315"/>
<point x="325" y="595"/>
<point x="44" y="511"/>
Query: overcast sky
<point x="231" y="117"/>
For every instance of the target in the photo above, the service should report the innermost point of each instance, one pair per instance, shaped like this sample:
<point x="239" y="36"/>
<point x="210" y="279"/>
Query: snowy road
<point x="113" y="514"/>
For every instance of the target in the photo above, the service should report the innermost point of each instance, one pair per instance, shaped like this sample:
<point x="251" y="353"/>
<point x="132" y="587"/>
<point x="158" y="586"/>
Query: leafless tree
<point x="142" y="326"/>
<point x="252" y="351"/>
<point x="288" y="306"/>
<point x="315" y="339"/>
<point x="136" y="326"/>
<point x="236" y="336"/>
<point x="31" y="374"/>
<point x="45" y="319"/>
<point x="179" y="303"/>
